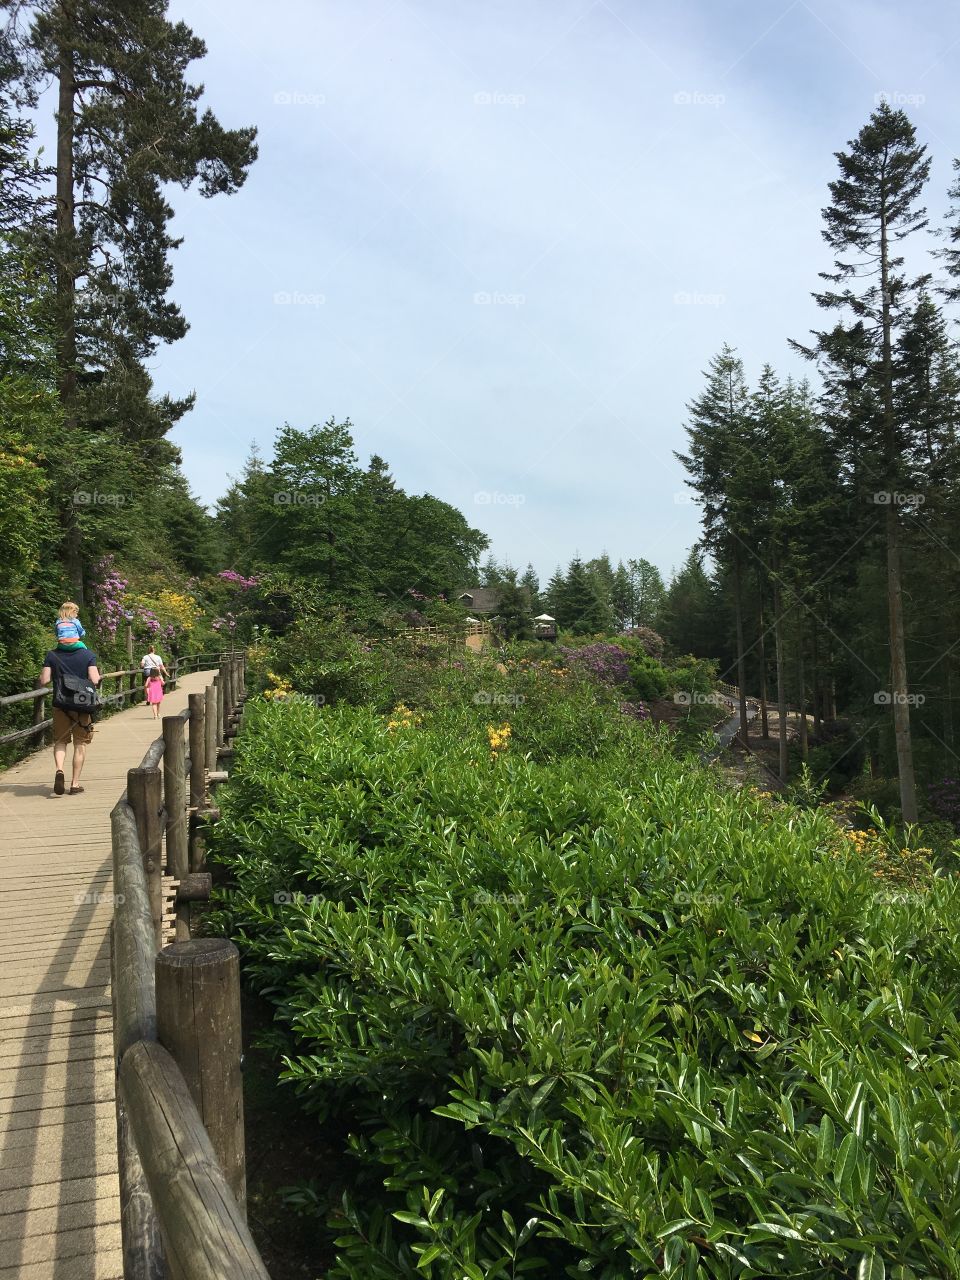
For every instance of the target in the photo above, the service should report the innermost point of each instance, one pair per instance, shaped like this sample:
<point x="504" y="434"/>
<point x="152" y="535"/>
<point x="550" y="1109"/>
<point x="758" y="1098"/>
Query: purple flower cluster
<point x="108" y="596"/>
<point x="237" y="579"/>
<point x="229" y="622"/>
<point x="638" y="710"/>
<point x="605" y="663"/>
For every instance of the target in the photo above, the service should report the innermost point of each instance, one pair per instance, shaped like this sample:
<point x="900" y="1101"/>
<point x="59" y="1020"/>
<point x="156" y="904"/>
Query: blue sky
<point x="506" y="238"/>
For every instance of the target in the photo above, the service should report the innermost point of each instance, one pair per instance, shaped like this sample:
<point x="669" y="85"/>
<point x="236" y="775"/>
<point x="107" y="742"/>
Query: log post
<point x="221" y="714"/>
<point x="198" y="1021"/>
<point x="132" y="676"/>
<point x="229" y="695"/>
<point x="198" y="750"/>
<point x="204" y="1229"/>
<point x="198" y="776"/>
<point x="175" y="803"/>
<point x="238" y="681"/>
<point x="38" y="719"/>
<point x="210" y="727"/>
<point x="145" y="794"/>
<point x="139" y="1229"/>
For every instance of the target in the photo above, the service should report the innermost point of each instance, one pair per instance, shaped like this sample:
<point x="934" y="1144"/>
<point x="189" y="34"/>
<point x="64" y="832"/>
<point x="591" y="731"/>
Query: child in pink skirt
<point x="155" y="692"/>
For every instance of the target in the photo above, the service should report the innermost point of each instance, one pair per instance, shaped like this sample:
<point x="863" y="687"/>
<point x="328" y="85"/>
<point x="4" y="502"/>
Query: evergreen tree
<point x="648" y="593"/>
<point x="514" y="618"/>
<point x="554" y="598"/>
<point x="690" y="610"/>
<point x="128" y="124"/>
<point x="874" y="208"/>
<point x="584" y="611"/>
<point x="722" y="465"/>
<point x="530" y="582"/>
<point x="622" y="597"/>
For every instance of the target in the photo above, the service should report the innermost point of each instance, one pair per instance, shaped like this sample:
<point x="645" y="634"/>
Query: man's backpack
<point x="77" y="695"/>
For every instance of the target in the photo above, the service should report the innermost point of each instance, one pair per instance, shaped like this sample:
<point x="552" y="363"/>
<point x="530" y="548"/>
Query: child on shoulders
<point x="69" y="628"/>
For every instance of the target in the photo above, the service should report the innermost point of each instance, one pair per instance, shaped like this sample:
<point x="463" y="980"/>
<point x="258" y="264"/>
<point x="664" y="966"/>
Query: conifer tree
<point x="722" y="464"/>
<point x="874" y="208"/>
<point x="128" y="125"/>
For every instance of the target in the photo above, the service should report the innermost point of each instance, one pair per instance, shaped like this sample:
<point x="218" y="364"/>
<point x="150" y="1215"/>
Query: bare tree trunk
<point x="816" y="687"/>
<point x="802" y="698"/>
<point x="781" y="677"/>
<point x="741" y="659"/>
<point x="948" y="707"/>
<point x="764" y="726"/>
<point x="66" y="285"/>
<point x="898" y="648"/>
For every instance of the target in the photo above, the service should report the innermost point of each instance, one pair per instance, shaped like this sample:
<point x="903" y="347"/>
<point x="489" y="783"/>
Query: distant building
<point x="482" y="602"/>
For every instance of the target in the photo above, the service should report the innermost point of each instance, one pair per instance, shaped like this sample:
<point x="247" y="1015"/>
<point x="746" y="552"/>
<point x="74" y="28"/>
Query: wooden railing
<point x="129" y="686"/>
<point x="177" y="1010"/>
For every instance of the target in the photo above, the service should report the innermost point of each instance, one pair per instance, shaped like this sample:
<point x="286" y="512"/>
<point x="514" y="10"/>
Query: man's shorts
<point x="67" y="725"/>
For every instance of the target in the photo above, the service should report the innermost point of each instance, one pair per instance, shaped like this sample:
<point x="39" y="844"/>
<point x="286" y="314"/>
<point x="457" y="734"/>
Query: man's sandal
<point x="58" y="784"/>
<point x="74" y="791"/>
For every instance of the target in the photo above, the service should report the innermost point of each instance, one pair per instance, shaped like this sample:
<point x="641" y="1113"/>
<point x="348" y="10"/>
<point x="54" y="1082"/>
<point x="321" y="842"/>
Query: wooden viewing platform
<point x="59" y="1191"/>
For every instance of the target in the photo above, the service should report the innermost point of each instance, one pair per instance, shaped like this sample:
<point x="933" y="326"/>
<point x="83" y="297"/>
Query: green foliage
<point x="588" y="1013"/>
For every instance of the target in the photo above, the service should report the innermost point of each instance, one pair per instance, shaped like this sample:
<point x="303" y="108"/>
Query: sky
<point x="505" y="239"/>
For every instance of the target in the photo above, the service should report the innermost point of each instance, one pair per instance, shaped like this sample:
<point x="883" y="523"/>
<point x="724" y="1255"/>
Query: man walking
<point x="73" y="674"/>
<point x="151" y="662"/>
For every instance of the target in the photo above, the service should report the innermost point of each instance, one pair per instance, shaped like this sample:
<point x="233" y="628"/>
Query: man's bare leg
<point x="79" y="755"/>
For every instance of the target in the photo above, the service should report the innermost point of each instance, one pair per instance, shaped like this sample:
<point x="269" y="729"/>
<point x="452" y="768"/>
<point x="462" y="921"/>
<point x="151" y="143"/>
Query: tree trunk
<point x="898" y="649"/>
<point x="764" y="727"/>
<point x="948" y="708"/>
<point x="741" y="657"/>
<point x="781" y="679"/>
<point x="802" y="692"/>
<point x="66" y="286"/>
<point x="815" y="684"/>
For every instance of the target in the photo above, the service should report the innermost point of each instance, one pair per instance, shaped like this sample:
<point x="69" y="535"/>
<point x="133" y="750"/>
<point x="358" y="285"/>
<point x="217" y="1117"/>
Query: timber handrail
<point x="176" y="1018"/>
<point x="41" y="723"/>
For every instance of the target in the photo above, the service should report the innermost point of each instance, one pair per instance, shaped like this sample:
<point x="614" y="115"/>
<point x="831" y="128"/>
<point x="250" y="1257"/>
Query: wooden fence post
<point x="198" y="1022"/>
<point x="175" y="804"/>
<point x="210" y="727"/>
<point x="145" y="794"/>
<point x="221" y="710"/>
<point x="198" y="776"/>
<point x="38" y="719"/>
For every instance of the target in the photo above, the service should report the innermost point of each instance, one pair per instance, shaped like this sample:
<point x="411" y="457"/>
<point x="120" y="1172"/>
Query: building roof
<point x="480" y="600"/>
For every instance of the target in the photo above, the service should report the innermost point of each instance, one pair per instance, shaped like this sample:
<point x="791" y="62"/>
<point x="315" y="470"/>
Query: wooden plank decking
<point x="59" y="1205"/>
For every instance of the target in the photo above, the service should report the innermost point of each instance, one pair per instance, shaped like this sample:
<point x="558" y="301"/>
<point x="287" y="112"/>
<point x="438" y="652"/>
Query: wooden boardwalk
<point x="59" y="1200"/>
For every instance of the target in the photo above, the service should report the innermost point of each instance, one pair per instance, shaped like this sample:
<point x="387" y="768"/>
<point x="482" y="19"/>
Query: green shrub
<point x="586" y="1012"/>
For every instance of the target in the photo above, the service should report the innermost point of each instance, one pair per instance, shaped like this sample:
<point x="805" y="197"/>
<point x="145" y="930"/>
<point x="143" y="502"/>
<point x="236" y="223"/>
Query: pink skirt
<point x="154" y="692"/>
